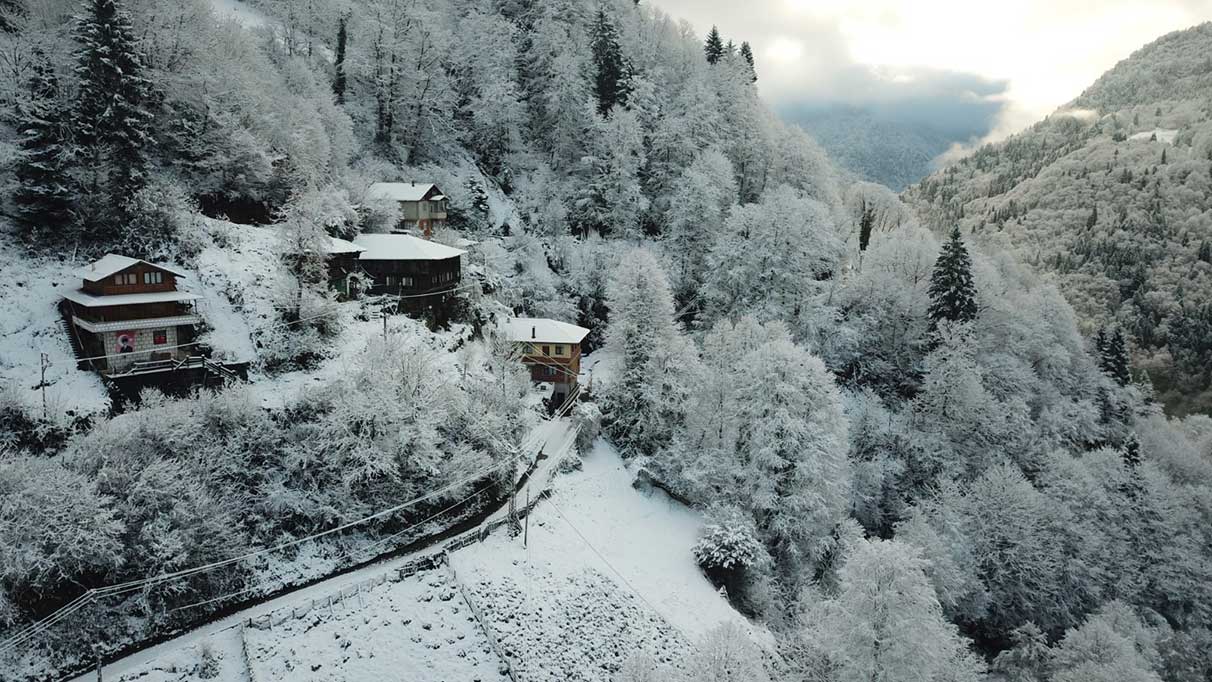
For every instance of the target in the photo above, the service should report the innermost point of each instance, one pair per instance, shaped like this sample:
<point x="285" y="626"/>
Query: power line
<point x="134" y="585"/>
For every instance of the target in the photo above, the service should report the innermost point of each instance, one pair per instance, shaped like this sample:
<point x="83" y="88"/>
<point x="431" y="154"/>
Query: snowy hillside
<point x="1113" y="194"/>
<point x="865" y="450"/>
<point x="554" y="609"/>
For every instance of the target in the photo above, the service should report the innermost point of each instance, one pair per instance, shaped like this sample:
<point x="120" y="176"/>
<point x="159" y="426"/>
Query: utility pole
<point x="99" y="678"/>
<point x="526" y="530"/>
<point x="45" y="365"/>
<point x="384" y="325"/>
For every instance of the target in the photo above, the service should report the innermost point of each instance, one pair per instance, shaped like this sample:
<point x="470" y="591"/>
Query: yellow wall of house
<point x="555" y="350"/>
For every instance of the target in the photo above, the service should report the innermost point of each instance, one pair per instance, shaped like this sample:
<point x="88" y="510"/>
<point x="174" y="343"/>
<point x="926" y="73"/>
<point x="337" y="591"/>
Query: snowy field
<point x="419" y="629"/>
<point x="557" y="604"/>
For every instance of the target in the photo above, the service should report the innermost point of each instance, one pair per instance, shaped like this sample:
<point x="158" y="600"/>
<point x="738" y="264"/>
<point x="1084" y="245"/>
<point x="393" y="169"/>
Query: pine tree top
<point x="714" y="47"/>
<point x="952" y="290"/>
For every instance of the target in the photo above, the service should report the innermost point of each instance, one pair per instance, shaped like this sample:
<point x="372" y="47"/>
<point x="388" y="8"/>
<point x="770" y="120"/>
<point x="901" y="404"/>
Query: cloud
<point x="805" y="65"/>
<point x="979" y="70"/>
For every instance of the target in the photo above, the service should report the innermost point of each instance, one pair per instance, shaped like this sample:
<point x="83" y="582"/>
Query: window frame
<point x="159" y="337"/>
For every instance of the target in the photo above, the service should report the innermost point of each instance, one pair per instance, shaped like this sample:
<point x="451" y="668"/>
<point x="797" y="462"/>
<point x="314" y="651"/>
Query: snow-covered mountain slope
<point x="605" y="573"/>
<point x="1113" y="194"/>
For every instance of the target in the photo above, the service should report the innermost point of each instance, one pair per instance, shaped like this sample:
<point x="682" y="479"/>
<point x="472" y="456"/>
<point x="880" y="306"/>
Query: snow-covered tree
<point x="714" y="46"/>
<point x="1112" y="645"/>
<point x="55" y="526"/>
<point x="886" y="623"/>
<point x="612" y="79"/>
<point x="654" y="356"/>
<point x="726" y="654"/>
<point x="112" y="116"/>
<point x="952" y="292"/>
<point x="612" y="200"/>
<point x="698" y="208"/>
<point x="43" y="196"/>
<point x="772" y="259"/>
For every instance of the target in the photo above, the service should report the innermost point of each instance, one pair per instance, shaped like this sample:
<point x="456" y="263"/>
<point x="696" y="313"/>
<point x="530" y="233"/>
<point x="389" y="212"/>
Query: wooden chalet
<point x="422" y="205"/>
<point x="423" y="275"/>
<point x="551" y="349"/>
<point x="128" y="318"/>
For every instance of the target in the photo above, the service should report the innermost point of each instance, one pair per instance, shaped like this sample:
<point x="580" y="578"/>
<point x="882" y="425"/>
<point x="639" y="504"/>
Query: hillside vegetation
<point x="1113" y="194"/>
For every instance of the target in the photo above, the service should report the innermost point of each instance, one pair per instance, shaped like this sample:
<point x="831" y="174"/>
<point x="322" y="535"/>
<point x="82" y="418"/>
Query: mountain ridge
<point x="1112" y="195"/>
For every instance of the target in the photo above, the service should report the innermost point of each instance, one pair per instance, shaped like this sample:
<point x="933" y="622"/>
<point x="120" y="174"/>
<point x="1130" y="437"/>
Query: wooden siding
<point x="109" y="286"/>
<point x="134" y="311"/>
<point x="413" y="277"/>
<point x="566" y="368"/>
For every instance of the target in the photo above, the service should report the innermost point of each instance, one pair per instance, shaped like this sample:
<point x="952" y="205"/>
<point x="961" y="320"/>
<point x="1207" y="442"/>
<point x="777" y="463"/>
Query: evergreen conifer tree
<point x="952" y="291"/>
<point x="112" y="120"/>
<point x="612" y="82"/>
<point x="1113" y="357"/>
<point x="43" y="196"/>
<point x="714" y="48"/>
<point x="338" y="81"/>
<point x="1205" y="251"/>
<point x="1093" y="219"/>
<point x="747" y="53"/>
<point x="866" y="224"/>
<point x="1131" y="453"/>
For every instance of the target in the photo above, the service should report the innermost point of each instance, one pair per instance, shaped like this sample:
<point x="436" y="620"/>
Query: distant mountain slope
<point x="892" y="153"/>
<point x="1113" y="194"/>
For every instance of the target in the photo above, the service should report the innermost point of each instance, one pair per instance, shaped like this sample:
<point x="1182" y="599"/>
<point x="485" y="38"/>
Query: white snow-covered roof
<point x="541" y="329"/>
<point x="112" y="263"/>
<point x="336" y="246"/>
<point x="402" y="247"/>
<point x="147" y="323"/>
<point x="402" y="191"/>
<point x="88" y="300"/>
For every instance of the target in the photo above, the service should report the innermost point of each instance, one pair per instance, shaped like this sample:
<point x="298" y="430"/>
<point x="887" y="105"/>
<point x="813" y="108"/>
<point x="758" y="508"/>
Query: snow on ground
<point x="30" y="325"/>
<point x="236" y="277"/>
<point x="418" y="629"/>
<point x="1163" y="135"/>
<point x="241" y="12"/>
<point x="533" y="593"/>
<point x="219" y="658"/>
<point x="598" y="367"/>
<point x="572" y="628"/>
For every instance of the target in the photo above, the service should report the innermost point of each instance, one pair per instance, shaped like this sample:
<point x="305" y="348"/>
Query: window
<point x="153" y="277"/>
<point x="124" y="280"/>
<point x="391" y="280"/>
<point x="551" y="371"/>
<point x="546" y="350"/>
<point x="559" y="350"/>
<point x="160" y="337"/>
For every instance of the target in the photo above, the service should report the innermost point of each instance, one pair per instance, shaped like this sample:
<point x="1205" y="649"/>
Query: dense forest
<point x="1113" y="193"/>
<point x="915" y="460"/>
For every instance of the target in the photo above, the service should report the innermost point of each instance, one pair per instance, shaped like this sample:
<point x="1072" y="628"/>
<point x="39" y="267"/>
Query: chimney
<point x="532" y="332"/>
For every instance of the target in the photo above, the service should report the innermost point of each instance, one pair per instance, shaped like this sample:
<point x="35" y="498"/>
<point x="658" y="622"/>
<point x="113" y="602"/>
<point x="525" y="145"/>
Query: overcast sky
<point x="992" y="67"/>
